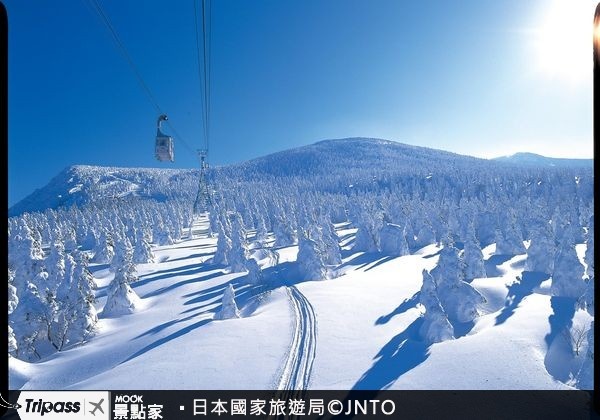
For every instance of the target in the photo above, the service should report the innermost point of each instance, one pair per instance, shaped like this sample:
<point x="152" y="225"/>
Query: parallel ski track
<point x="299" y="364"/>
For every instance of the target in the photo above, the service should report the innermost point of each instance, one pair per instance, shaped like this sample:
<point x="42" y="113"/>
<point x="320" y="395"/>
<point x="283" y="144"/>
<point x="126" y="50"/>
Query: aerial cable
<point x="121" y="47"/>
<point x="203" y="61"/>
<point x="203" y="201"/>
<point x="207" y="42"/>
<point x="200" y="74"/>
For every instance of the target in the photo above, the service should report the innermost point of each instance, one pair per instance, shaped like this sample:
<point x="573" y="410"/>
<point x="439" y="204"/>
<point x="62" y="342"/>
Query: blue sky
<point x="477" y="77"/>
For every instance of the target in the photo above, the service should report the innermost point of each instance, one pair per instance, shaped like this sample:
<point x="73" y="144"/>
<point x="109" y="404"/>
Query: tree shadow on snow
<point x="560" y="353"/>
<point x="179" y="271"/>
<point x="401" y="354"/>
<point x="164" y="340"/>
<point x="381" y="261"/>
<point x="404" y="306"/>
<point x="159" y="328"/>
<point x="200" y="255"/>
<point x="428" y="255"/>
<point x="462" y="328"/>
<point x="179" y="284"/>
<point x="492" y="263"/>
<point x="518" y="291"/>
<point x="362" y="260"/>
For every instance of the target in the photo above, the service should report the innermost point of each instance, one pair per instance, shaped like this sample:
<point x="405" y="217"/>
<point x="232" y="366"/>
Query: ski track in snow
<point x="299" y="364"/>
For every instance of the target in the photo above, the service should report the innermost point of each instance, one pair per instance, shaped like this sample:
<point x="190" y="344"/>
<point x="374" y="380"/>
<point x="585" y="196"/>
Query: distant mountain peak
<point x="533" y="159"/>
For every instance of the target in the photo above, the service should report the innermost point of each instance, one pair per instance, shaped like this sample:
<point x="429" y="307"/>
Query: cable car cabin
<point x="164" y="143"/>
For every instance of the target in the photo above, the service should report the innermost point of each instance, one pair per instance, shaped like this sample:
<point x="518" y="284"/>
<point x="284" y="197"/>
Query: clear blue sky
<point x="467" y="76"/>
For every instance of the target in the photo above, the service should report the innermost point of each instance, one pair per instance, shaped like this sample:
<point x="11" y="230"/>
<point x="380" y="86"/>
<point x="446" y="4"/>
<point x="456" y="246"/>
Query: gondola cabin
<point x="164" y="144"/>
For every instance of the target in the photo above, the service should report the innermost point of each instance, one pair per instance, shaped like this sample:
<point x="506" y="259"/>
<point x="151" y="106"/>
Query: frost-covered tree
<point x="329" y="242"/>
<point x="55" y="262"/>
<point x="104" y="249"/>
<point x="262" y="231"/>
<point x="161" y="234"/>
<point x="121" y="299"/>
<point x="123" y="250"/>
<point x="541" y="250"/>
<point x="223" y="245"/>
<point x="284" y="233"/>
<point x="589" y="250"/>
<point x="585" y="377"/>
<point x="13" y="301"/>
<point x="392" y="240"/>
<point x="229" y="308"/>
<point x="76" y="316"/>
<point x="311" y="264"/>
<point x="238" y="254"/>
<point x="142" y="250"/>
<point x="435" y="327"/>
<point x="459" y="299"/>
<point x="82" y="269"/>
<point x="568" y="271"/>
<point x="70" y="239"/>
<point x="472" y="255"/>
<point x="255" y="275"/>
<point x="425" y="235"/>
<point x="34" y="320"/>
<point x="509" y="240"/>
<point x="367" y="233"/>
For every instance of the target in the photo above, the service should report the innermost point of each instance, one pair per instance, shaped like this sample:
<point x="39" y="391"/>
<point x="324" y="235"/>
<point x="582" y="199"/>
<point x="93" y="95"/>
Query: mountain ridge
<point x="528" y="158"/>
<point x="81" y="184"/>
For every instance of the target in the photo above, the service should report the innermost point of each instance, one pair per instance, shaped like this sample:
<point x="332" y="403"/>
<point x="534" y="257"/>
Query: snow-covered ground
<point x="359" y="330"/>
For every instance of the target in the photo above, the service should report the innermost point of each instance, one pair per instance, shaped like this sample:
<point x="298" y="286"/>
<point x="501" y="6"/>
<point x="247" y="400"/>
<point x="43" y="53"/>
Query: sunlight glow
<point x="563" y="40"/>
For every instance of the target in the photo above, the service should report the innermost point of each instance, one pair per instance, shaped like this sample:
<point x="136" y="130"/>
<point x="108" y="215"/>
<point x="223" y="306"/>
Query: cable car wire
<point x="121" y="47"/>
<point x="203" y="60"/>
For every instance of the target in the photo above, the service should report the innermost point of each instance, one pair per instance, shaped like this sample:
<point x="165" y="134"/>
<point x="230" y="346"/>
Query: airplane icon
<point x="97" y="406"/>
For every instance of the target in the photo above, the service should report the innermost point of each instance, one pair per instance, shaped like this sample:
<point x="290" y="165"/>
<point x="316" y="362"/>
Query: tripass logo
<point x="45" y="407"/>
<point x="51" y="405"/>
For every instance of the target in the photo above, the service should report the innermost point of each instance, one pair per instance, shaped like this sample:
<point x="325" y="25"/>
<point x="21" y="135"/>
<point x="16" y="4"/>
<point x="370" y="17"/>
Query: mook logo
<point x="51" y="405"/>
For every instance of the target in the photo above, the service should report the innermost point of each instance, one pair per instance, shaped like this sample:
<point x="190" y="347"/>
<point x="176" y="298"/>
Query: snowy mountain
<point x="346" y="264"/>
<point x="539" y="160"/>
<point x="356" y="162"/>
<point x="81" y="184"/>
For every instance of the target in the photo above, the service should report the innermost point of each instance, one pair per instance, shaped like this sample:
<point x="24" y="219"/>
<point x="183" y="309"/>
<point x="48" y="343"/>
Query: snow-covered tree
<point x="255" y="275"/>
<point x="142" y="250"/>
<point x="585" y="377"/>
<point x="472" y="255"/>
<point x="435" y="327"/>
<point x="262" y="231"/>
<point x="367" y="233"/>
<point x="311" y="264"/>
<point x="568" y="271"/>
<point x="82" y="269"/>
<point x="229" y="308"/>
<point x="13" y="301"/>
<point x="459" y="299"/>
<point x="104" y="249"/>
<point x="284" y="233"/>
<point x="392" y="240"/>
<point x="123" y="250"/>
<point x="76" y="316"/>
<point x="223" y="245"/>
<point x="121" y="299"/>
<point x="238" y="254"/>
<point x="589" y="250"/>
<point x="329" y="241"/>
<point x="161" y="234"/>
<point x="541" y="250"/>
<point x="55" y="262"/>
<point x="509" y="240"/>
<point x="425" y="235"/>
